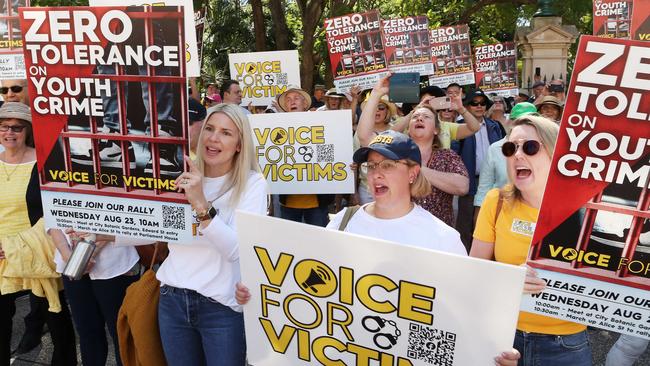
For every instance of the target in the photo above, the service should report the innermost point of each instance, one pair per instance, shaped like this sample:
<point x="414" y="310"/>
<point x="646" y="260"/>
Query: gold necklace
<point x="4" y="167"/>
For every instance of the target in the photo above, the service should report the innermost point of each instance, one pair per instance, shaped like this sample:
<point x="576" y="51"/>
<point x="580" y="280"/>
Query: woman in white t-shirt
<point x="392" y="162"/>
<point x="95" y="299"/>
<point x="200" y="321"/>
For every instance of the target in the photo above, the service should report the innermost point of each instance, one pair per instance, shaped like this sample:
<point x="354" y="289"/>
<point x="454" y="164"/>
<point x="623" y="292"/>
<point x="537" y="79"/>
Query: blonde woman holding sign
<point x="200" y="321"/>
<point x="541" y="340"/>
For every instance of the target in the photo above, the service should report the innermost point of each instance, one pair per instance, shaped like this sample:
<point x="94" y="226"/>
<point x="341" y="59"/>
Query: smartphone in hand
<point x="405" y="87"/>
<point x="440" y="103"/>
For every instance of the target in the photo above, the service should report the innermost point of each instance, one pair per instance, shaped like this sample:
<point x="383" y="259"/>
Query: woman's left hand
<point x="242" y="294"/>
<point x="507" y="358"/>
<point x="456" y="102"/>
<point x="192" y="184"/>
<point x="533" y="284"/>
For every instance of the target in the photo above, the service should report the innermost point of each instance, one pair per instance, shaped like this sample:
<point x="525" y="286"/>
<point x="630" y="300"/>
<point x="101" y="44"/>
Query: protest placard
<point x="322" y="297"/>
<point x="356" y="48"/>
<point x="200" y="18"/>
<point x="192" y="57"/>
<point x="406" y="44"/>
<point x="592" y="240"/>
<point x="109" y="117"/>
<point x="305" y="152"/>
<point x="641" y="21"/>
<point x="496" y="68"/>
<point x="612" y="18"/>
<point x="451" y="54"/>
<point x="263" y="76"/>
<point x="12" y="62"/>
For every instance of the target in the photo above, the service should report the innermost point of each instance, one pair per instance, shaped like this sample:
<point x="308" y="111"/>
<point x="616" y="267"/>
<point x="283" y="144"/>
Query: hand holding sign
<point x="533" y="283"/>
<point x="383" y="85"/>
<point x="192" y="184"/>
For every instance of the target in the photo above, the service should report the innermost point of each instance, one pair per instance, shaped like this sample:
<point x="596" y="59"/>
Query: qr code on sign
<point x="433" y="346"/>
<point x="325" y="152"/>
<point x="173" y="217"/>
<point x="281" y="79"/>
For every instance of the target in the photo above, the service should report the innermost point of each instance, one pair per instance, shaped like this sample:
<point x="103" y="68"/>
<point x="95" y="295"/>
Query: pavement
<point x="601" y="341"/>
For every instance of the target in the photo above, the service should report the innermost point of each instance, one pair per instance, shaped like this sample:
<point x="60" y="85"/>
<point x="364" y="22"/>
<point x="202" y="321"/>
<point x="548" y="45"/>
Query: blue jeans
<point x="314" y="216"/>
<point x="553" y="350"/>
<point x="196" y="330"/>
<point x="626" y="350"/>
<point x="94" y="305"/>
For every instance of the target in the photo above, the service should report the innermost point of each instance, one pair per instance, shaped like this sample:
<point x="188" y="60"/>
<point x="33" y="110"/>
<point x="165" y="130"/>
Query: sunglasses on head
<point x="15" y="129"/>
<point x="14" y="89"/>
<point x="382" y="107"/>
<point x="529" y="147"/>
<point x="476" y="104"/>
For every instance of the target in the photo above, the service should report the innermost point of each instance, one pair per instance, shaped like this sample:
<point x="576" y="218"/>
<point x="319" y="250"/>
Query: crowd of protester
<point x="460" y="175"/>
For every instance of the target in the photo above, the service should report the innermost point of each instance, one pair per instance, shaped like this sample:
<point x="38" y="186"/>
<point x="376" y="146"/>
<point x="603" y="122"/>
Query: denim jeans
<point x="94" y="305"/>
<point x="314" y="216"/>
<point x="626" y="350"/>
<point x="196" y="330"/>
<point x="553" y="350"/>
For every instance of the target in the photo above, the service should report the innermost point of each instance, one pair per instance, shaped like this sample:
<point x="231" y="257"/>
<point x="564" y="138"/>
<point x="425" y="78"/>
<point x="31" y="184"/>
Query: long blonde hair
<point x="244" y="160"/>
<point x="547" y="131"/>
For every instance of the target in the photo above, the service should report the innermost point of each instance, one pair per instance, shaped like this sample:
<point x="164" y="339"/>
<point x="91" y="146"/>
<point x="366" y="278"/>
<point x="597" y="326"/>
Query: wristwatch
<point x="207" y="214"/>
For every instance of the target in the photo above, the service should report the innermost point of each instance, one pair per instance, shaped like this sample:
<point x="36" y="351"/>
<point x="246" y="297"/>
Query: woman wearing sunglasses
<point x="442" y="168"/>
<point x="541" y="340"/>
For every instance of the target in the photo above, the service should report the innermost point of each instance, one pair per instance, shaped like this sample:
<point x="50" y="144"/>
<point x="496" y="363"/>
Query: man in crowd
<point x="538" y="91"/>
<point x="550" y="107"/>
<point x="307" y="208"/>
<point x="556" y="89"/>
<point x="317" y="98"/>
<point x="473" y="151"/>
<point x="231" y="93"/>
<point x="14" y="91"/>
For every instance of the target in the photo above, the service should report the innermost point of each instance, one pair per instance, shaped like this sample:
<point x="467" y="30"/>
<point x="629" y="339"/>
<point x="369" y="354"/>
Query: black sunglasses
<point x="15" y="129"/>
<point x="530" y="148"/>
<point x="14" y="89"/>
<point x="476" y="104"/>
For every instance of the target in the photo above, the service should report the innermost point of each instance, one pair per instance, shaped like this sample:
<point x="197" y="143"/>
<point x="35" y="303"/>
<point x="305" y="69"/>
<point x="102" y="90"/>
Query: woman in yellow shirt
<point x="20" y="211"/>
<point x="541" y="340"/>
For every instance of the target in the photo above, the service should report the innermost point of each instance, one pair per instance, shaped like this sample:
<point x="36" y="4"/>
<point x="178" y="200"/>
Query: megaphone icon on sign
<point x="317" y="277"/>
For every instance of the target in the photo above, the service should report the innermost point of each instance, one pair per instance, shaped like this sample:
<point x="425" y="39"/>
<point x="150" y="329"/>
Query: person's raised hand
<point x="191" y="183"/>
<point x="383" y="85"/>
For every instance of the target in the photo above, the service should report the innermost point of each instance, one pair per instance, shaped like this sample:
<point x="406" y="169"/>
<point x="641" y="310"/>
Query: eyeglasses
<point x="16" y="129"/>
<point x="529" y="147"/>
<point x="384" y="165"/>
<point x="14" y="89"/>
<point x="476" y="104"/>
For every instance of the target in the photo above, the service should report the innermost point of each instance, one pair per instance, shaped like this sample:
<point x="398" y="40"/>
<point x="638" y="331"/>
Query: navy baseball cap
<point x="391" y="144"/>
<point x="195" y="110"/>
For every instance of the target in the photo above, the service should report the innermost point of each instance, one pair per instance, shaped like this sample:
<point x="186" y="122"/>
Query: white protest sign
<point x="264" y="75"/>
<point x="325" y="297"/>
<point x="192" y="52"/>
<point x="305" y="152"/>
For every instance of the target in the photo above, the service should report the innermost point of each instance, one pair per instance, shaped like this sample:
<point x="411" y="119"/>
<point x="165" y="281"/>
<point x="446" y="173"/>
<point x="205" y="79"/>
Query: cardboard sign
<point x="325" y="297"/>
<point x="406" y="44"/>
<point x="263" y="76"/>
<point x="107" y="163"/>
<point x="496" y="68"/>
<point x="12" y="62"/>
<point x="593" y="247"/>
<point x="356" y="47"/>
<point x="612" y="18"/>
<point x="451" y="54"/>
<point x="305" y="152"/>
<point x="192" y="56"/>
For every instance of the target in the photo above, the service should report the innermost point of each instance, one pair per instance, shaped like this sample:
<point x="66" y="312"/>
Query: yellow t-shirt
<point x="511" y="236"/>
<point x="13" y="205"/>
<point x="301" y="201"/>
<point x="447" y="134"/>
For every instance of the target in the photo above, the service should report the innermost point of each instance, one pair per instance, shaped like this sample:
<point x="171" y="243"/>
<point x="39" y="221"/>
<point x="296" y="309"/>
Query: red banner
<point x="406" y="44"/>
<point x="641" y="21"/>
<point x="612" y="18"/>
<point x="356" y="47"/>
<point x="451" y="54"/>
<point x="496" y="68"/>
